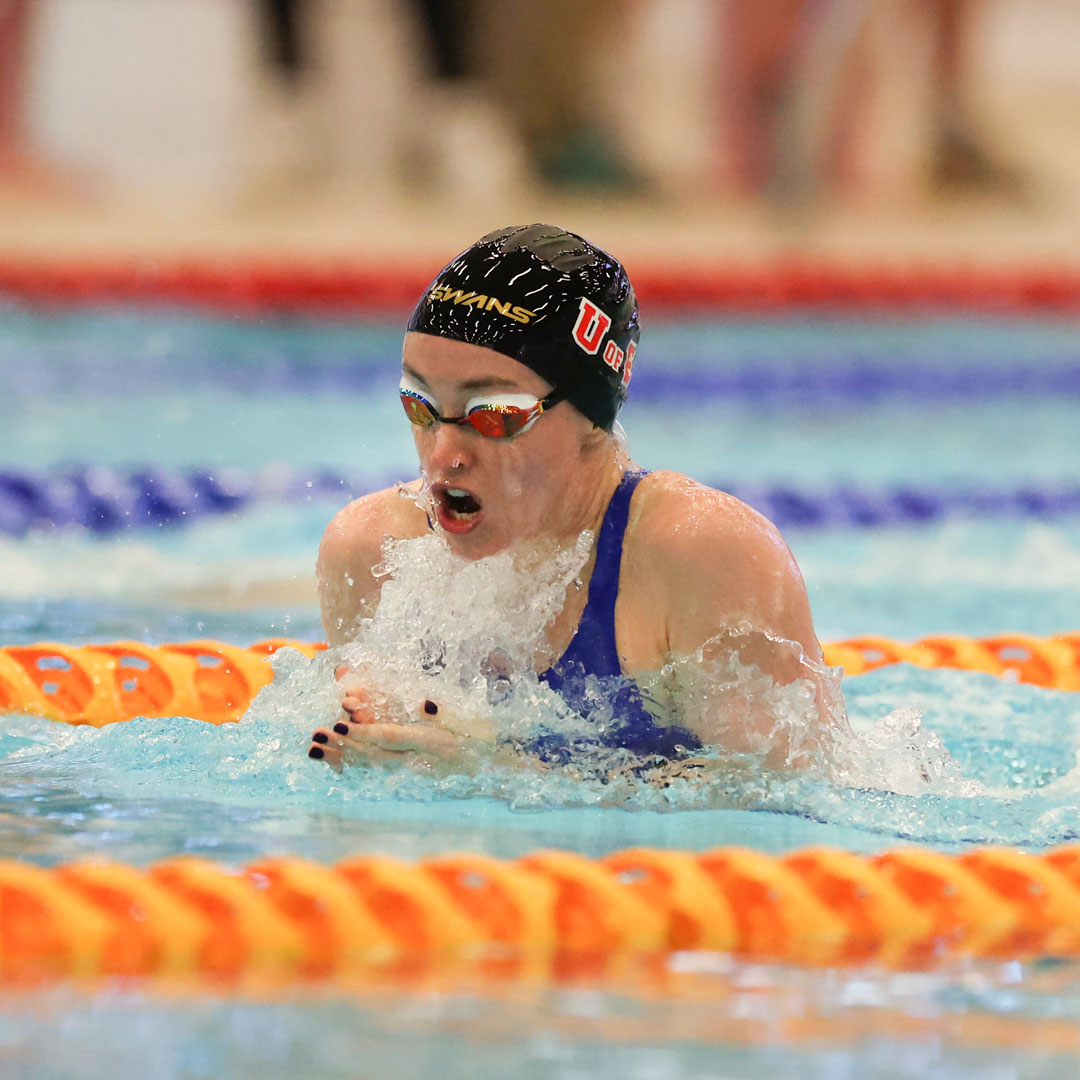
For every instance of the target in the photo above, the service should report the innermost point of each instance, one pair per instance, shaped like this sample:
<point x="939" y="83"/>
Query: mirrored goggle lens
<point x="501" y="421"/>
<point x="417" y="409"/>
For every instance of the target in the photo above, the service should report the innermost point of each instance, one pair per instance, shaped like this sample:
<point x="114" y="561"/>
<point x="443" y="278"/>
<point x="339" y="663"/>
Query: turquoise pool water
<point x="807" y="403"/>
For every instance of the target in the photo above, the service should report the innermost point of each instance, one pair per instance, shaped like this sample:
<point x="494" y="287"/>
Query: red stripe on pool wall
<point x="307" y="288"/>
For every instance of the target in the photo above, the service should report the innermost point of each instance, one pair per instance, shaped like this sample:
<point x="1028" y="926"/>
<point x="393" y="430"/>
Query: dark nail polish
<point x="342" y="729"/>
<point x="315" y="752"/>
<point x="320" y="737"/>
<point x="430" y="707"/>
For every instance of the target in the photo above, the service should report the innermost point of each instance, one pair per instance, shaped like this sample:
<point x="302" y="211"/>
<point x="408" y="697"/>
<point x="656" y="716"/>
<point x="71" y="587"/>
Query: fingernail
<point x="320" y="737"/>
<point x="430" y="707"/>
<point x="342" y="729"/>
<point x="315" y="752"/>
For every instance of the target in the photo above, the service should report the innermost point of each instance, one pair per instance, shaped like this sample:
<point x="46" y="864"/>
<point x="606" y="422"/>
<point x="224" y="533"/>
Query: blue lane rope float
<point x="774" y="372"/>
<point x="108" y="501"/>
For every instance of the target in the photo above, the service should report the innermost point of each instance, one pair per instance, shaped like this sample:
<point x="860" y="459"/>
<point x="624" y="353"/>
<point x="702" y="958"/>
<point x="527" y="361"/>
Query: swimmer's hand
<point x="367" y="734"/>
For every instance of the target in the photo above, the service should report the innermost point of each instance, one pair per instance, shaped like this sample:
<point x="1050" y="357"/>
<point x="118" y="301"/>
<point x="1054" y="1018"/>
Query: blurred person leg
<point x="289" y="147"/>
<point x="448" y="26"/>
<point x="284" y="38"/>
<point x="759" y="47"/>
<point x="825" y="138"/>
<point x="24" y="170"/>
<point x="960" y="155"/>
<point x="804" y="79"/>
<point x="463" y="145"/>
<point x="542" y="61"/>
<point x="14" y="42"/>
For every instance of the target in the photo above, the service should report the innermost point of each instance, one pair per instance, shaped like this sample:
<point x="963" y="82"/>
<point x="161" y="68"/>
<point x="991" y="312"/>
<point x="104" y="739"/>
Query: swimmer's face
<point x="490" y="493"/>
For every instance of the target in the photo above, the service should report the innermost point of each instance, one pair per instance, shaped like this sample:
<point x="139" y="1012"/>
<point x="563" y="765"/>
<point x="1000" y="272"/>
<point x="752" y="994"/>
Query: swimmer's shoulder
<point x="673" y="513"/>
<point x="701" y="553"/>
<point x="351" y="548"/>
<point x="356" y="534"/>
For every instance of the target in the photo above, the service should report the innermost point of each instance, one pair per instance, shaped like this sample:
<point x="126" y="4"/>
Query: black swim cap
<point x="549" y="299"/>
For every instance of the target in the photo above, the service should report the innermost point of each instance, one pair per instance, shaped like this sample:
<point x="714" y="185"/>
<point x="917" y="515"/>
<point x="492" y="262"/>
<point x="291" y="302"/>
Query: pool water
<point x="807" y="403"/>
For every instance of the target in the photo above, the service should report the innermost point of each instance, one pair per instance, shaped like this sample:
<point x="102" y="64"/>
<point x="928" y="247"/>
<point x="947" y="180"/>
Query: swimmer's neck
<point x="587" y="498"/>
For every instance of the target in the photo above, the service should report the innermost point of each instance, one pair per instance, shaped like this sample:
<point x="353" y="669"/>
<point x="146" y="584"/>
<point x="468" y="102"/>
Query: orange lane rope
<point x="1053" y="662"/>
<point x="549" y="915"/>
<point x="102" y="684"/>
<point x="213" y="681"/>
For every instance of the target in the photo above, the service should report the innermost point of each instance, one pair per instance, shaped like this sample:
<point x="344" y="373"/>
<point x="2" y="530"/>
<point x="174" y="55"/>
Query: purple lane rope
<point x="107" y="501"/>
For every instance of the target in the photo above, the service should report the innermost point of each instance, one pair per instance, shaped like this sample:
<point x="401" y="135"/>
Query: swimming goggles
<point x="498" y="416"/>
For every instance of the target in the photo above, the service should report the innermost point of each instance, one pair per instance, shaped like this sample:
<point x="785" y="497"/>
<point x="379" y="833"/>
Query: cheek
<point x="527" y="478"/>
<point x="424" y="441"/>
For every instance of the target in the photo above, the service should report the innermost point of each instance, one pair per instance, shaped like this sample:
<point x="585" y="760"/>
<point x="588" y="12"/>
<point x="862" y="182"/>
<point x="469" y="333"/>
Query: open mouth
<point x="458" y="510"/>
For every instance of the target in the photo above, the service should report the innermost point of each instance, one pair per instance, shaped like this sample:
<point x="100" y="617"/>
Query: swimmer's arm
<point x="726" y="566"/>
<point x="745" y="573"/>
<point x="351" y="548"/>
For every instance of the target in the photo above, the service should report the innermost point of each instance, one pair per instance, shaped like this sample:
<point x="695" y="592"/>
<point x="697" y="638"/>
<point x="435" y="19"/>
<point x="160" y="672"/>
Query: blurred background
<point x="852" y="224"/>
<point x="669" y="128"/>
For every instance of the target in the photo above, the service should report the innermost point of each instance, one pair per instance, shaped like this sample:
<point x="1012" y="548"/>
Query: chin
<point x="472" y="546"/>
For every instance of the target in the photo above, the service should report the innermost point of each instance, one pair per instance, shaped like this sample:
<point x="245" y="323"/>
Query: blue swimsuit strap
<point x="594" y="652"/>
<point x="593" y="646"/>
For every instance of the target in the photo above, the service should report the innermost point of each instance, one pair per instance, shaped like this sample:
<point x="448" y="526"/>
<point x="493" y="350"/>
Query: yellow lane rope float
<point x="551" y="915"/>
<point x="213" y="681"/>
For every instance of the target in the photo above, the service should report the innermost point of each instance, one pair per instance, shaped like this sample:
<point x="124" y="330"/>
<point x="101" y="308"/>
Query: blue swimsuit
<point x="593" y="652"/>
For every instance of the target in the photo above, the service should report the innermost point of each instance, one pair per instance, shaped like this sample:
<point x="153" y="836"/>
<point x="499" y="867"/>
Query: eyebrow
<point x="488" y="382"/>
<point x="491" y="383"/>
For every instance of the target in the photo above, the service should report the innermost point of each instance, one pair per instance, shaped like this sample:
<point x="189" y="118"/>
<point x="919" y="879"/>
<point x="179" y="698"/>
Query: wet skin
<point x="694" y="561"/>
<point x="549" y="481"/>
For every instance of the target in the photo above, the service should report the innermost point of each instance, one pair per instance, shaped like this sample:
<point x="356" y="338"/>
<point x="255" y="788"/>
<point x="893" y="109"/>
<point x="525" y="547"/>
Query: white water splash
<point x="797" y="722"/>
<point x="467" y="635"/>
<point x="464" y="633"/>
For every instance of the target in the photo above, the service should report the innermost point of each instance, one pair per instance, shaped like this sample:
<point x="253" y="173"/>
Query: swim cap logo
<point x="481" y="302"/>
<point x="628" y="369"/>
<point x="591" y="326"/>
<point x="589" y="330"/>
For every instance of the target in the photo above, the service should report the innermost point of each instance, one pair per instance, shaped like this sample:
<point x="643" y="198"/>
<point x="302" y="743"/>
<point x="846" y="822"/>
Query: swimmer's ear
<point x="593" y="438"/>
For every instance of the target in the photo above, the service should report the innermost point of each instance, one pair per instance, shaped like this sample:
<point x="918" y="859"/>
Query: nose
<point x="446" y="449"/>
